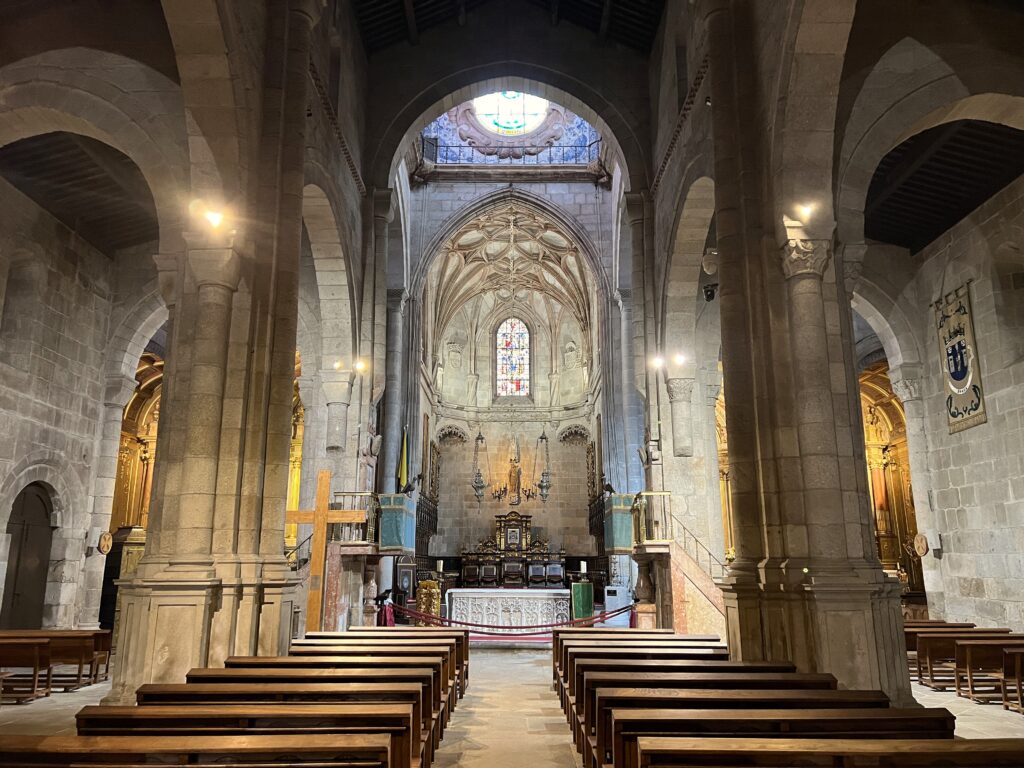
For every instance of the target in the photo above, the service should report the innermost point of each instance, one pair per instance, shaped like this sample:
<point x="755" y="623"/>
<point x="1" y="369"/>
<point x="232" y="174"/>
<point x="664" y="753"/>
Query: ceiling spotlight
<point x="679" y="358"/>
<point x="658" y="362"/>
<point x="360" y="366"/>
<point x="805" y="210"/>
<point x="214" y="218"/>
<point x="337" y="365"/>
<point x="707" y="101"/>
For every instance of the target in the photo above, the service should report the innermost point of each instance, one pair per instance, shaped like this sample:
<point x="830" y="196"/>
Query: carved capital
<point x="635" y="206"/>
<point x="679" y="389"/>
<point x="383" y="207"/>
<point x="213" y="265"/>
<point x="118" y="391"/>
<point x="906" y="388"/>
<point x="337" y="386"/>
<point x="802" y="258"/>
<point x="397" y="297"/>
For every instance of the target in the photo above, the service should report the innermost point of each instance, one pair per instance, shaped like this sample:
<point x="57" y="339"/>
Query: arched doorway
<point x="28" y="559"/>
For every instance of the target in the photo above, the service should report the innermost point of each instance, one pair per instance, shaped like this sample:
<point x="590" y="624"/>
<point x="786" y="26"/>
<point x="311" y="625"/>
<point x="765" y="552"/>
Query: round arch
<point x="620" y="131"/>
<point x="339" y="324"/>
<point x="687" y="254"/>
<point x="99" y="95"/>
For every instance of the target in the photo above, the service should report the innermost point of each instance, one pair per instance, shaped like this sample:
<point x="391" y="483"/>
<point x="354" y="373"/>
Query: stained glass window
<point x="513" y="358"/>
<point x="510" y="113"/>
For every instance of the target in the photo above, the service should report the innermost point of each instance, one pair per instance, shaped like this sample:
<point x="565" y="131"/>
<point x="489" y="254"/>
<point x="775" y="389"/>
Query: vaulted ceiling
<point x="87" y="185"/>
<point x="632" y="23"/>
<point x="937" y="177"/>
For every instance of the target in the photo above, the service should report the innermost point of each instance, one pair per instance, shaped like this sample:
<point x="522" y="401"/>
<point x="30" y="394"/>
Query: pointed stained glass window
<point x="512" y="353"/>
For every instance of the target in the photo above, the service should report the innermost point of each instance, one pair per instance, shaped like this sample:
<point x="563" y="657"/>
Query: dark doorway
<point x="28" y="560"/>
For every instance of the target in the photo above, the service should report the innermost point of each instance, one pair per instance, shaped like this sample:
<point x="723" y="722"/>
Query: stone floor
<point x="509" y="718"/>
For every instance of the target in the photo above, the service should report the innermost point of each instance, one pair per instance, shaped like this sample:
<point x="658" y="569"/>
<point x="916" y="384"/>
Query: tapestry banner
<point x="964" y="396"/>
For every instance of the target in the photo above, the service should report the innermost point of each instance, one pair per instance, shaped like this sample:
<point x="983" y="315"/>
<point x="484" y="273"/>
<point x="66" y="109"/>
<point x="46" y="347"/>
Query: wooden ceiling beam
<point x="554" y="13"/>
<point x="908" y="165"/>
<point x="606" y="20"/>
<point x="410" y="22"/>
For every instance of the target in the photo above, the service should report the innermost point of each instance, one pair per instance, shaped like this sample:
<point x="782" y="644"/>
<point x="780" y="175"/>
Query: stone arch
<point x="622" y="131"/>
<point x="684" y="270"/>
<point x="816" y="38"/>
<point x="112" y="99"/>
<point x="338" y="321"/>
<point x="890" y="323"/>
<point x="130" y="337"/>
<point x="527" y="200"/>
<point x="49" y="469"/>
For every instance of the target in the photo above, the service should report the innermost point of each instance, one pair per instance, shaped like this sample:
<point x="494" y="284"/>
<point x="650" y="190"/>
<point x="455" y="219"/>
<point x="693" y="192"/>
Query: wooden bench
<point x="84" y="649"/>
<point x="422" y="676"/>
<point x="630" y="724"/>
<point x="936" y="654"/>
<point x="1013" y="679"/>
<point x="586" y="701"/>
<point x="366" y="751"/>
<point x="395" y="720"/>
<point x="609" y="699"/>
<point x="571" y="643"/>
<point x="847" y="753"/>
<point x="612" y="634"/>
<point x="461" y="637"/>
<point x="391" y="646"/>
<point x="32" y="654"/>
<point x="978" y="667"/>
<point x="260" y="693"/>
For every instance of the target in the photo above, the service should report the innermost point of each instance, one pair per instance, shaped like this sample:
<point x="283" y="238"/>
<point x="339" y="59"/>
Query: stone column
<point x="716" y="523"/>
<point x="679" y="391"/>
<point x="393" y="395"/>
<point x="215" y="268"/>
<point x="804" y="263"/>
<point x="906" y="383"/>
<point x="338" y="393"/>
<point x="740" y="587"/>
<point x="117" y="393"/>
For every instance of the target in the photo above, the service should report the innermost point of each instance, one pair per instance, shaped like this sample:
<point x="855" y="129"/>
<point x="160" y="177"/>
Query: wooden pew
<point x="612" y="634"/>
<point x="1013" y="679"/>
<point x="461" y="636"/>
<point x="390" y="645"/>
<point x="395" y="720"/>
<point x="848" y="753"/>
<point x="366" y="751"/>
<point x="426" y="677"/>
<point x="630" y="724"/>
<point x="586" y="701"/>
<point x="936" y="653"/>
<point x="979" y="663"/>
<point x="910" y="633"/>
<point x="80" y="648"/>
<point x="570" y="643"/>
<point x="609" y="699"/>
<point x="32" y="654"/>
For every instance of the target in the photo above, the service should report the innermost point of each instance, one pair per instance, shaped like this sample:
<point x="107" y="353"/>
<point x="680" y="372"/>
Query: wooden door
<point x="28" y="560"/>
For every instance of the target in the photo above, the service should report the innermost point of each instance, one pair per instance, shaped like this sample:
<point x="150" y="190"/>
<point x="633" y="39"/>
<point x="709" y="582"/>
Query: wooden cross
<point x="320" y="516"/>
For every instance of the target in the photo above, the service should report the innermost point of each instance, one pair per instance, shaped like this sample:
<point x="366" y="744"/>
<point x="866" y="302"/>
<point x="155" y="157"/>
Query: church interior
<point x="664" y="357"/>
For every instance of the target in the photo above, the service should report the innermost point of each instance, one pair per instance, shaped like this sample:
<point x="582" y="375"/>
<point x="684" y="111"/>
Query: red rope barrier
<point x="438" y="621"/>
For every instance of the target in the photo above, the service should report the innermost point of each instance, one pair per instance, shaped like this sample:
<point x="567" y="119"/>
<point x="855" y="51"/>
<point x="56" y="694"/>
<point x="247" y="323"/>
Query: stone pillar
<point x="679" y="391"/>
<point x="338" y="393"/>
<point x="117" y="393"/>
<point x="715" y="518"/>
<point x="906" y="383"/>
<point x="741" y="585"/>
<point x="393" y="395"/>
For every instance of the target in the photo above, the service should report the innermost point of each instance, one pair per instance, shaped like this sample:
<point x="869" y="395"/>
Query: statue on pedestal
<point x="515" y="475"/>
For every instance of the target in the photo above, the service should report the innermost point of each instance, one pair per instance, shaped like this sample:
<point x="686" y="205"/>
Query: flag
<point x="402" y="470"/>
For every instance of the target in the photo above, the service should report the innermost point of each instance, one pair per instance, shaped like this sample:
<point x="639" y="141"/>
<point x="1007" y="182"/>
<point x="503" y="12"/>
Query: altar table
<point x="509" y="607"/>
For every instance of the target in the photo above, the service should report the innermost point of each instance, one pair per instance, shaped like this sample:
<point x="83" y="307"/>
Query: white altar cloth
<point x="509" y="607"/>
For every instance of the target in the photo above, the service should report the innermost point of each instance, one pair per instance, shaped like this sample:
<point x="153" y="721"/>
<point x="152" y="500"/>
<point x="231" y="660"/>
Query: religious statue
<point x="515" y="476"/>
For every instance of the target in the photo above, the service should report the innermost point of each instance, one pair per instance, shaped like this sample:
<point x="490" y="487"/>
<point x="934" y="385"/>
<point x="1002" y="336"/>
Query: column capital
<point x="118" y="390"/>
<point x="635" y="202"/>
<point x="679" y="388"/>
<point x="337" y="386"/>
<point x="383" y="205"/>
<point x="906" y="382"/>
<point x="397" y="298"/>
<point x="802" y="258"/>
<point x="213" y="263"/>
<point x="167" y="276"/>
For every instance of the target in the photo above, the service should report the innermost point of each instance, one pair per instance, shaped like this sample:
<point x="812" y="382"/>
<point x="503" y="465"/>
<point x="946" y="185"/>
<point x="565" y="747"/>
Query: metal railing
<point x="698" y="552"/>
<point x="463" y="154"/>
<point x="358" y="531"/>
<point x="652" y="518"/>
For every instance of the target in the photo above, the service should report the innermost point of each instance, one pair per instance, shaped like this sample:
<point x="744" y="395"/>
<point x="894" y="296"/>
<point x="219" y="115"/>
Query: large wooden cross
<point x="320" y="516"/>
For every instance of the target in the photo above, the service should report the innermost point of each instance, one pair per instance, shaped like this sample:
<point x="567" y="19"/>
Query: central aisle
<point x="510" y="716"/>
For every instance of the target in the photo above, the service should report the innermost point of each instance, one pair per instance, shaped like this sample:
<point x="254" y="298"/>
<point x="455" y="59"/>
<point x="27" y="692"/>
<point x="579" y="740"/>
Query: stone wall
<point x="53" y="335"/>
<point x="976" y="477"/>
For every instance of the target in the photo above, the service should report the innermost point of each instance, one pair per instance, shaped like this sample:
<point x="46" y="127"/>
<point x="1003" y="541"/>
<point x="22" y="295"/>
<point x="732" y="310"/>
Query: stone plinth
<point x="509" y="607"/>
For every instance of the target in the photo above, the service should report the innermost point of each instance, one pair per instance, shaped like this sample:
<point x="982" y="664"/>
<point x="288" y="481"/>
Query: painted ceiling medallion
<point x="510" y="123"/>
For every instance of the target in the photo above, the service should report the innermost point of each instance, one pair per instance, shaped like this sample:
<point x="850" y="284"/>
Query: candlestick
<point x="440" y="566"/>
<point x="583" y="566"/>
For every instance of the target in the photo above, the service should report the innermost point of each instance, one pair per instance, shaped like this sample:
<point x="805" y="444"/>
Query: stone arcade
<point x="715" y="304"/>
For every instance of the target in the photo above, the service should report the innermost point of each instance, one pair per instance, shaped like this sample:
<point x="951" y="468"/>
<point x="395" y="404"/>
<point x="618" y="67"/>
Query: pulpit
<point x="511" y="558"/>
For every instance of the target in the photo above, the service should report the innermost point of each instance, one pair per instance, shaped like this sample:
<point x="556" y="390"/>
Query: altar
<point x="513" y="558"/>
<point x="509" y="607"/>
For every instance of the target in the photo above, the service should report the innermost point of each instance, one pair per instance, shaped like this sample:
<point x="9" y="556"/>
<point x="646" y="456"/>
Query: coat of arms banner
<point x="964" y="396"/>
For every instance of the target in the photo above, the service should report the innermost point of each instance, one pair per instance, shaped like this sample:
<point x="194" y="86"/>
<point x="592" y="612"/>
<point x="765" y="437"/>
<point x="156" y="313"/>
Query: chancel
<point x="666" y="357"/>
